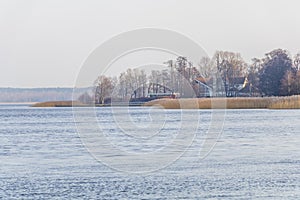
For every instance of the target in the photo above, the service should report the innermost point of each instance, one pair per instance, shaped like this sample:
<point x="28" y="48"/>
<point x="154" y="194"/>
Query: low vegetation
<point x="229" y="103"/>
<point x="292" y="102"/>
<point x="58" y="104"/>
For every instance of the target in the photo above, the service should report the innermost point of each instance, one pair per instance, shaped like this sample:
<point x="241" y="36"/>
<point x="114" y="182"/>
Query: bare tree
<point x="288" y="83"/>
<point x="122" y="90"/>
<point x="173" y="84"/>
<point x="143" y="81"/>
<point x="103" y="88"/>
<point x="206" y="67"/>
<point x="155" y="79"/>
<point x="252" y="75"/>
<point x="132" y="83"/>
<point x="140" y="83"/>
<point x="230" y="66"/>
<point x="297" y="61"/>
<point x="129" y="79"/>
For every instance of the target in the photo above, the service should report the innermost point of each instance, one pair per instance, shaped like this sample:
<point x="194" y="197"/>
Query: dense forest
<point x="225" y="74"/>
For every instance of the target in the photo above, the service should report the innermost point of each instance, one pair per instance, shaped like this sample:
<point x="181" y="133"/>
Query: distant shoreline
<point x="79" y="104"/>
<point x="292" y="102"/>
<point x="59" y="104"/>
<point x="17" y="103"/>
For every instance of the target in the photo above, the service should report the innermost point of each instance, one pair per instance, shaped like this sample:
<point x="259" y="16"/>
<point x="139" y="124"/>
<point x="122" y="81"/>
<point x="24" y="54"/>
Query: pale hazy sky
<point x="44" y="43"/>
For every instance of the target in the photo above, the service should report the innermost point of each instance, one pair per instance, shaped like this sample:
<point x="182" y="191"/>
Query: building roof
<point x="202" y="79"/>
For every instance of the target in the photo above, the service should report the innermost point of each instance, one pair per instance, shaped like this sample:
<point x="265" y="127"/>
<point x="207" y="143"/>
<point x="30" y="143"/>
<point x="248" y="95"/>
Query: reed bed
<point x="292" y="102"/>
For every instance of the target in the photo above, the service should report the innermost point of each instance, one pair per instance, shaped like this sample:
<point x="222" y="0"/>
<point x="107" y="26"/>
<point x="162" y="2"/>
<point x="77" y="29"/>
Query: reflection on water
<point x="257" y="156"/>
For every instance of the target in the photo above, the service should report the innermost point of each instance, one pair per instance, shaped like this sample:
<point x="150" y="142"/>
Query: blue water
<point x="42" y="156"/>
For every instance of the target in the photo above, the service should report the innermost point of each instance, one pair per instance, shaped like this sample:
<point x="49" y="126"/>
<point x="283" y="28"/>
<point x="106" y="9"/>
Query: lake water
<point x="43" y="156"/>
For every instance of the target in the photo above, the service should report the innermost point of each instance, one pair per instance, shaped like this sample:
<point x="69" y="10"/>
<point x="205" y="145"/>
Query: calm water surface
<point x="256" y="157"/>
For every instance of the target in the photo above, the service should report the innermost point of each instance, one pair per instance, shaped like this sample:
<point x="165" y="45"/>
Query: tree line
<point x="275" y="74"/>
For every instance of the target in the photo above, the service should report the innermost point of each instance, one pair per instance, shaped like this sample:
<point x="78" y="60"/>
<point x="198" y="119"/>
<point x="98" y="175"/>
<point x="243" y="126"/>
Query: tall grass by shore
<point x="229" y="103"/>
<point x="292" y="102"/>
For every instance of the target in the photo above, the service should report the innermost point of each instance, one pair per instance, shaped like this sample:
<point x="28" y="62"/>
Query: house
<point x="238" y="87"/>
<point x="201" y="87"/>
<point x="215" y="87"/>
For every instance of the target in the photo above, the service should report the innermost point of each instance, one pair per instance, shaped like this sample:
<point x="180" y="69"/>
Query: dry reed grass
<point x="292" y="102"/>
<point x="229" y="103"/>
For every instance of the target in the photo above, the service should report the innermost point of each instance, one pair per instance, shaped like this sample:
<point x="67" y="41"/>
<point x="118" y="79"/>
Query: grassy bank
<point x="229" y="103"/>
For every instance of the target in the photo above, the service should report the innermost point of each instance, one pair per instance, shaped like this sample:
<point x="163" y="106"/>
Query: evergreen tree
<point x="275" y="66"/>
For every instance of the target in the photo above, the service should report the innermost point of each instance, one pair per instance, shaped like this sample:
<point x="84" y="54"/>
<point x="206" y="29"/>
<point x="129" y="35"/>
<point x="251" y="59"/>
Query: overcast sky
<point x="44" y="43"/>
